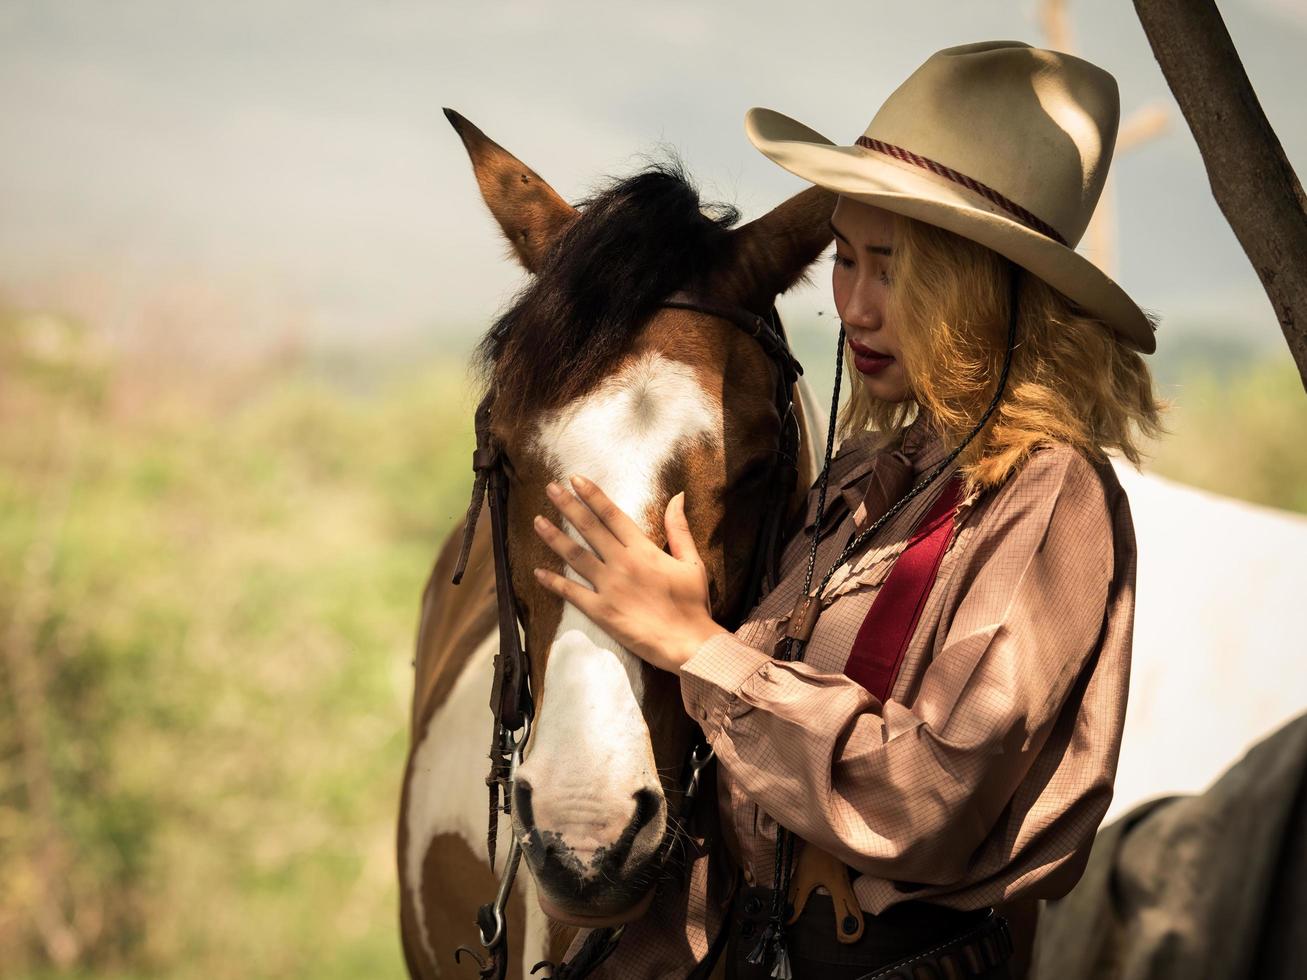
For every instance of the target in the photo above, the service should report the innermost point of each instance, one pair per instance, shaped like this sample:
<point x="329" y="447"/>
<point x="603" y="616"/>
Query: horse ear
<point x="773" y="252"/>
<point x="529" y="211"/>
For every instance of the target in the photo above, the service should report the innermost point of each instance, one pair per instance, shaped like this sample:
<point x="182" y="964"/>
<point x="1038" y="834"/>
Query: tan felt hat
<point x="999" y="142"/>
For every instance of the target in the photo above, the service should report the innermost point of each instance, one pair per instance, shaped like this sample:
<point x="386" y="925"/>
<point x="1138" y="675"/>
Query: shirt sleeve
<point x="909" y="793"/>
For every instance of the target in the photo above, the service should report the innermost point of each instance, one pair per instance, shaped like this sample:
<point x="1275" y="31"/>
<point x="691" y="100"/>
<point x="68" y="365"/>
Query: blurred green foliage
<point x="209" y="580"/>
<point x="1242" y="433"/>
<point x="207" y="594"/>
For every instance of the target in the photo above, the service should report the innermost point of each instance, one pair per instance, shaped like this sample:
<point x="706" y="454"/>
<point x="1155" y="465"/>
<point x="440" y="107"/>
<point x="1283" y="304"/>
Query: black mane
<point x="635" y="243"/>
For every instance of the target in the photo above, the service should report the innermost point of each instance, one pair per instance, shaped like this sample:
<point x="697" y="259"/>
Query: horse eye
<point x="754" y="471"/>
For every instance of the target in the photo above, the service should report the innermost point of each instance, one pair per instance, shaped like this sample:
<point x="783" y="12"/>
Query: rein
<point x="510" y="696"/>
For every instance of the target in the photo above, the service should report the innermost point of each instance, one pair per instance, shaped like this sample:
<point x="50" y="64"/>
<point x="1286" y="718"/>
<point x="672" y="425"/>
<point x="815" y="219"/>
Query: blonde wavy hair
<point x="1070" y="381"/>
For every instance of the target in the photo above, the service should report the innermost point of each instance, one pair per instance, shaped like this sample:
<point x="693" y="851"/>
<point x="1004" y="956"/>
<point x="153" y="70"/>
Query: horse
<point x="1192" y="871"/>
<point x="1217" y="659"/>
<point x="592" y="370"/>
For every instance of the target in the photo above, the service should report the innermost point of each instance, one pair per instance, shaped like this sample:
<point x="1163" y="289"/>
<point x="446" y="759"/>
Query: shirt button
<point x="703" y="714"/>
<point x="748" y="876"/>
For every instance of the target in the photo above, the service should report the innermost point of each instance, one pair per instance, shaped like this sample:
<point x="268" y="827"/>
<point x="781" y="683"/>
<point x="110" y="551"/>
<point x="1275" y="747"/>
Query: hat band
<point x="1011" y="207"/>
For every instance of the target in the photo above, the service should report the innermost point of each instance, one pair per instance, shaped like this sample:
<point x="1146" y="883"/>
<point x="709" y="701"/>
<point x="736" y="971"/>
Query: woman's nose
<point x="863" y="312"/>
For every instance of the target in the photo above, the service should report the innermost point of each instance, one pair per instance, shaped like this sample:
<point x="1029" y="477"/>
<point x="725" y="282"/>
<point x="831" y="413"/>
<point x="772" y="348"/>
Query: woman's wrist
<point x="691" y="639"/>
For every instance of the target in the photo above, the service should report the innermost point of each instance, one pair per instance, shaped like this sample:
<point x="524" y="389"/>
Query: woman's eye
<point x="841" y="262"/>
<point x="884" y="278"/>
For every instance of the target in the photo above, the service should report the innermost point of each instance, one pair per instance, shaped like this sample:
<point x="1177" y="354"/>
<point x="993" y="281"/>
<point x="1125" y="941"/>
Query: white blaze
<point x="591" y="745"/>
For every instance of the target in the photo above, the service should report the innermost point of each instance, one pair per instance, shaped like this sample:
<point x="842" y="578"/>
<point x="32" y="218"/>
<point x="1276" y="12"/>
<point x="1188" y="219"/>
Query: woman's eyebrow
<point x="877" y="249"/>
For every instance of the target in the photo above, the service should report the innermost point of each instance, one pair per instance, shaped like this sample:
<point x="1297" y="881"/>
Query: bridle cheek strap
<point x="485" y="457"/>
<point x="508" y="697"/>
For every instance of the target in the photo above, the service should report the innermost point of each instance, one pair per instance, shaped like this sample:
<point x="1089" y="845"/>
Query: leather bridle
<point x="510" y="696"/>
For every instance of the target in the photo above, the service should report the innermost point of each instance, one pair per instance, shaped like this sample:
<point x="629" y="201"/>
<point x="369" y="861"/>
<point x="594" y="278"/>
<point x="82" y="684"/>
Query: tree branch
<point x="1251" y="178"/>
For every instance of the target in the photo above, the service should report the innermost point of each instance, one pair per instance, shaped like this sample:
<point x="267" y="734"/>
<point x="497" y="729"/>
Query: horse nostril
<point x="647" y="803"/>
<point x="526" y="817"/>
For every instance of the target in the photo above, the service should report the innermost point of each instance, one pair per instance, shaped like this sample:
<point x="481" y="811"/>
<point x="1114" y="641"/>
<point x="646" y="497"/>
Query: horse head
<point x="589" y="373"/>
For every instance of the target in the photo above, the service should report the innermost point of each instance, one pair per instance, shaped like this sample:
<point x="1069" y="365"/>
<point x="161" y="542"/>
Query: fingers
<point x="580" y="558"/>
<point x="616" y="520"/>
<point x="587" y="523"/>
<point x="680" y="542"/>
<point x="574" y="592"/>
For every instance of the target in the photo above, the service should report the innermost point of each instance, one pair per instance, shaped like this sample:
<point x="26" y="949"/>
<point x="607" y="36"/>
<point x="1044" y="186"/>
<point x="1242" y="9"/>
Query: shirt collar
<point x="922" y="445"/>
<point x="858" y="470"/>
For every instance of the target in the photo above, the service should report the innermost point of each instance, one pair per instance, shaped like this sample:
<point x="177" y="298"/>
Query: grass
<point x="217" y="598"/>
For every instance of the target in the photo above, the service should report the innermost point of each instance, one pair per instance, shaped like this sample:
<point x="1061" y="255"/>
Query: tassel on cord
<point x="781" y="960"/>
<point x="760" y="952"/>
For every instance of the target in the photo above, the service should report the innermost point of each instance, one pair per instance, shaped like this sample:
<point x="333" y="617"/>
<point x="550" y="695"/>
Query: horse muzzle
<point x="593" y="863"/>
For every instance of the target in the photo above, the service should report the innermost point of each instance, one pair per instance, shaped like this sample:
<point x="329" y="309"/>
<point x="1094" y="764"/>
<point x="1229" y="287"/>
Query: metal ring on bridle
<point x="698" y="763"/>
<point x="501" y="895"/>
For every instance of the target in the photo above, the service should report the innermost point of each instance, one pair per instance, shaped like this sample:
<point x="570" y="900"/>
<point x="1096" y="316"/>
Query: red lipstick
<point x="868" y="360"/>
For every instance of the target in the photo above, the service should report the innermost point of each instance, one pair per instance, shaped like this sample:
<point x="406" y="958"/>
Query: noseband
<point x="510" y="696"/>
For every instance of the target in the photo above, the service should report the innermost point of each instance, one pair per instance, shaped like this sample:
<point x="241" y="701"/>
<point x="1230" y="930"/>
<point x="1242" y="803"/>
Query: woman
<point x="949" y="739"/>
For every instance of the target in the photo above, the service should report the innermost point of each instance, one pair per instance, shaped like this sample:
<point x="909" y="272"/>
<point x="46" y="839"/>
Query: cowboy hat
<point x="998" y="142"/>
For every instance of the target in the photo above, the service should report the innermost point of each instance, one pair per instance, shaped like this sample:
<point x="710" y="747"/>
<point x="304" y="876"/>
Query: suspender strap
<point x="884" y="635"/>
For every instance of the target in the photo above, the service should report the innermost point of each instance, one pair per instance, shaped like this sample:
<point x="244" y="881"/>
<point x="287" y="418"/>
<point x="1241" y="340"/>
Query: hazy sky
<point x="300" y="145"/>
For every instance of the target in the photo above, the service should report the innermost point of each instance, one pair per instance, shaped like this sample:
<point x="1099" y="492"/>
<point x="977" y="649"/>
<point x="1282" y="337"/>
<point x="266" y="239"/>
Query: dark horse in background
<point x="590" y="373"/>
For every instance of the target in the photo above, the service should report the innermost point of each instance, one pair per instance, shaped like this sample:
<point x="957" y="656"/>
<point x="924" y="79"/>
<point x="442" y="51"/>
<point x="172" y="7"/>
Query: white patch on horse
<point x="592" y="737"/>
<point x="621" y="435"/>
<point x="1217" y="663"/>
<point x="447" y="793"/>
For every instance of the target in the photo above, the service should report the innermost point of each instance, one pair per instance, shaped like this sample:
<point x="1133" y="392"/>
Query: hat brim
<point x="902" y="188"/>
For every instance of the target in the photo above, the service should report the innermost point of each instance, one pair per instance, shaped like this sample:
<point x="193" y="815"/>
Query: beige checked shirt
<point x="986" y="772"/>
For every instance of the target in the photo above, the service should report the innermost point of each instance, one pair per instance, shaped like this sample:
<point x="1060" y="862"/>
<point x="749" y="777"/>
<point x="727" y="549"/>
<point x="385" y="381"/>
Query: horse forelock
<point x="634" y="244"/>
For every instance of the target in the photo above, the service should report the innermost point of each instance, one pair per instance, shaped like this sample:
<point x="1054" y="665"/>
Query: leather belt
<point x="910" y="941"/>
<point x="972" y="954"/>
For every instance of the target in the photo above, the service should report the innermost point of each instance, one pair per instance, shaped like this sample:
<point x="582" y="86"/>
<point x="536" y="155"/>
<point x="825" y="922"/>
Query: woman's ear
<point x="530" y="213"/>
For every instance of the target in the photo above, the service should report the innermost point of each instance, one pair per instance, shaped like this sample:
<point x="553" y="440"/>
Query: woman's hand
<point x="653" y="603"/>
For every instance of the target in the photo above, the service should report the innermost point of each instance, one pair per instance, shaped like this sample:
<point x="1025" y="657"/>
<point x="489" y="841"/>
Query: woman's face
<point x="864" y="249"/>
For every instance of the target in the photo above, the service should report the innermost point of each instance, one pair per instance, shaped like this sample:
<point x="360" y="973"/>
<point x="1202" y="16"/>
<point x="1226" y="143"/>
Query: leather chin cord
<point x="771" y="945"/>
<point x="511" y="700"/>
